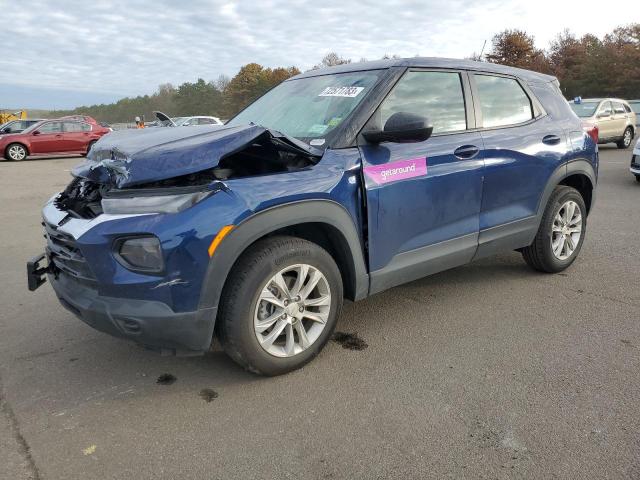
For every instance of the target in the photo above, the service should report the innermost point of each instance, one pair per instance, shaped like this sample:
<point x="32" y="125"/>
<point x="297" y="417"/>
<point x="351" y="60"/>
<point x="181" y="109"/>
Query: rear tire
<point x="262" y="300"/>
<point x="561" y="232"/>
<point x="15" y="152"/>
<point x="625" y="141"/>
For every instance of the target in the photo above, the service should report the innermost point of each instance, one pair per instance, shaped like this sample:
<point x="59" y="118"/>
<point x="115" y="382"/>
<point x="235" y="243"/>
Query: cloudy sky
<point x="64" y="54"/>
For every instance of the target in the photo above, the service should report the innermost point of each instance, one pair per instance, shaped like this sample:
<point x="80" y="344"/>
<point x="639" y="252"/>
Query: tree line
<point x="586" y="66"/>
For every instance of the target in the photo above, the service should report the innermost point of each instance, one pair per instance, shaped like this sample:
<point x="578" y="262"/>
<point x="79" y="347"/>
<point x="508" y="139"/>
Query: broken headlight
<point x="152" y="204"/>
<point x="141" y="253"/>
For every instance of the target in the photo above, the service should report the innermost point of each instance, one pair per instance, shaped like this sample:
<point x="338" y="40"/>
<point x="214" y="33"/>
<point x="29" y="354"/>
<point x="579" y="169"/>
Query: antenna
<point x="482" y="51"/>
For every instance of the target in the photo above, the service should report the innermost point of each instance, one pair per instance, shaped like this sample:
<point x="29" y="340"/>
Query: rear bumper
<point x="150" y="323"/>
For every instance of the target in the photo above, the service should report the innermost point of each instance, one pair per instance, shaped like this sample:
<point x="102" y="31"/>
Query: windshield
<point x="584" y="109"/>
<point x="31" y="128"/>
<point x="309" y="109"/>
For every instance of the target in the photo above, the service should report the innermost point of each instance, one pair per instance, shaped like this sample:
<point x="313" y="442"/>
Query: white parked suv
<point x="615" y="119"/>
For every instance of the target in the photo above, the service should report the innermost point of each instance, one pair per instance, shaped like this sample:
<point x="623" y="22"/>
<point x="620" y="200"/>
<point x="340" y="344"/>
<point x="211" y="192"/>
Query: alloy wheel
<point x="292" y="310"/>
<point x="17" y="152"/>
<point x="566" y="230"/>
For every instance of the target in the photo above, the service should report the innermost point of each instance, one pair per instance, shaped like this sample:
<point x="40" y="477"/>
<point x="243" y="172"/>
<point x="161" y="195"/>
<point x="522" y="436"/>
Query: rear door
<point x="423" y="198"/>
<point x="48" y="138"/>
<point x="77" y="136"/>
<point x="523" y="147"/>
<point x="620" y="118"/>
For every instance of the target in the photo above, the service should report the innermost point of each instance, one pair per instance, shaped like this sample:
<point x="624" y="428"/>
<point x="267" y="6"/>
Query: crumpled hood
<point x="127" y="158"/>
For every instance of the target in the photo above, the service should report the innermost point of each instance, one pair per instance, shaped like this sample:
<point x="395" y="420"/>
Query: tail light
<point x="592" y="130"/>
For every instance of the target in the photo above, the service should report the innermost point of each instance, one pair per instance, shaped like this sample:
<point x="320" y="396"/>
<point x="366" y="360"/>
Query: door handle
<point x="466" y="152"/>
<point x="58" y="135"/>
<point x="551" y="140"/>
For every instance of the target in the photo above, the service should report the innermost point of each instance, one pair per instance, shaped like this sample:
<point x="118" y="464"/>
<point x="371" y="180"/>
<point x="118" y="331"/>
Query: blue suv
<point x="338" y="183"/>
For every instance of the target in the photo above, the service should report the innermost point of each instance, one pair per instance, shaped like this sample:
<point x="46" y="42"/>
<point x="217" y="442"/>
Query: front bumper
<point x="150" y="323"/>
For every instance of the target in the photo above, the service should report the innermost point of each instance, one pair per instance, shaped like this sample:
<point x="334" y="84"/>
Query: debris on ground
<point x="350" y="341"/>
<point x="208" y="395"/>
<point x="166" y="379"/>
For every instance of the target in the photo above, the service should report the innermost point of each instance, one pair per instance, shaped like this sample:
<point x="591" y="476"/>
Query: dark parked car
<point x="338" y="183"/>
<point x="17" y="126"/>
<point x="51" y="137"/>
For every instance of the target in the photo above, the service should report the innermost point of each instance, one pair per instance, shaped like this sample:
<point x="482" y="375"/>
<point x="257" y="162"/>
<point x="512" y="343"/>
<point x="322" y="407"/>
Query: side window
<point x="502" y="101"/>
<point x="51" y="127"/>
<point x="627" y="108"/>
<point x="72" y="127"/>
<point x="605" y="109"/>
<point x="435" y="95"/>
<point x="206" y="121"/>
<point x="85" y="127"/>
<point x="618" y="107"/>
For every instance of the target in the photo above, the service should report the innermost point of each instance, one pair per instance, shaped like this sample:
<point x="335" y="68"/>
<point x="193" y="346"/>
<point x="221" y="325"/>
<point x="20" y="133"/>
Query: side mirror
<point x="37" y="132"/>
<point x="401" y="127"/>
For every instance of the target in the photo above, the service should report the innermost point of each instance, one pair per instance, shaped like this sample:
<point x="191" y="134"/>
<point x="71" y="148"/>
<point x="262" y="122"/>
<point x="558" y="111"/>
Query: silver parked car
<point x="615" y="119"/>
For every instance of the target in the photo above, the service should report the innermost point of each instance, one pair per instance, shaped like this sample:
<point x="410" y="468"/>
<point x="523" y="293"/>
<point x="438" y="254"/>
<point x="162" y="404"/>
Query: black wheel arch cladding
<point x="267" y="222"/>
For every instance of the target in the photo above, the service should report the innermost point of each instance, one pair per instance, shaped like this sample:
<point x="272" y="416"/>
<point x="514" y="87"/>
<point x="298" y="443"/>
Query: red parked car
<point x="52" y="137"/>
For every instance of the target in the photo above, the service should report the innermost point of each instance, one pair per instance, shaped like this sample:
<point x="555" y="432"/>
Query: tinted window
<point x="502" y="101"/>
<point x="51" y="127"/>
<point x="435" y="95"/>
<point x="618" y="107"/>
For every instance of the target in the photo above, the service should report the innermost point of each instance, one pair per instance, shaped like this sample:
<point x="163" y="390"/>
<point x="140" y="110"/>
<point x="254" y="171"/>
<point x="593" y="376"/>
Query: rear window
<point x="584" y="109"/>
<point x="502" y="101"/>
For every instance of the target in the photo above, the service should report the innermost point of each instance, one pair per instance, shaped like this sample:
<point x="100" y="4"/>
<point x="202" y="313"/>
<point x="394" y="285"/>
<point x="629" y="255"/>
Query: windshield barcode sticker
<point x="341" y="92"/>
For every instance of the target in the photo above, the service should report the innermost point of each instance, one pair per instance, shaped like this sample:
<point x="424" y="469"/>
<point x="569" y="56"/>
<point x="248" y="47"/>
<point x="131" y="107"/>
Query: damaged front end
<point x="175" y="162"/>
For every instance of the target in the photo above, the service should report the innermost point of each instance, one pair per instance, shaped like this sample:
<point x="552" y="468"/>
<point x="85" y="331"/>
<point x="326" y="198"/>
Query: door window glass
<point x="605" y="109"/>
<point x="51" y="127"/>
<point x="435" y="95"/>
<point x="502" y="101"/>
<point x="618" y="107"/>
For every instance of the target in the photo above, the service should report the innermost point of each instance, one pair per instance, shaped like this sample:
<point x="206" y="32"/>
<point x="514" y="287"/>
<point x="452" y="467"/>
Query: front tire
<point x="625" y="141"/>
<point x="15" y="152"/>
<point x="561" y="232"/>
<point x="280" y="305"/>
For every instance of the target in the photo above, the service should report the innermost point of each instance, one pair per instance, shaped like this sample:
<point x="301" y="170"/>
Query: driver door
<point x="424" y="198"/>
<point x="48" y="138"/>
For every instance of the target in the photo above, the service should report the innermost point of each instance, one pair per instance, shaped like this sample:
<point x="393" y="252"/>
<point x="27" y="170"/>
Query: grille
<point x="66" y="256"/>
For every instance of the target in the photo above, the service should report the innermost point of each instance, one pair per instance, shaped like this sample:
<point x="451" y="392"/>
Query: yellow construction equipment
<point x="8" y="116"/>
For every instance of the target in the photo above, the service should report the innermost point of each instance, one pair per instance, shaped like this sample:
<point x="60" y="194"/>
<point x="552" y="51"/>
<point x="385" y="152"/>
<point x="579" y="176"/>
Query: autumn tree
<point x="517" y="49"/>
<point x="251" y="82"/>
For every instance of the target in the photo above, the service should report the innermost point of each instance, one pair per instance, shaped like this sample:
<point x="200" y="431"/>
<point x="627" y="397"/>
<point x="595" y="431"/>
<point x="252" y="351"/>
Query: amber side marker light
<point x="218" y="238"/>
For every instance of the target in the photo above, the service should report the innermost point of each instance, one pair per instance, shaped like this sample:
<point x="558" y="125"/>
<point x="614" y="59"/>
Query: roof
<point x="431" y="62"/>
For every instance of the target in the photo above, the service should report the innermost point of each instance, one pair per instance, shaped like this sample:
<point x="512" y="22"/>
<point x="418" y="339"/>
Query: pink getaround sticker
<point x="400" y="170"/>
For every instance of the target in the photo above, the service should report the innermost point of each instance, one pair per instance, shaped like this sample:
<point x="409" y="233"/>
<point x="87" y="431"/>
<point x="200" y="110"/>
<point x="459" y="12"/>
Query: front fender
<point x="272" y="219"/>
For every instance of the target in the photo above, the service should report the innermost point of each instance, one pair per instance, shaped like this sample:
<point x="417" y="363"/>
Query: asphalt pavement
<point x="486" y="371"/>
